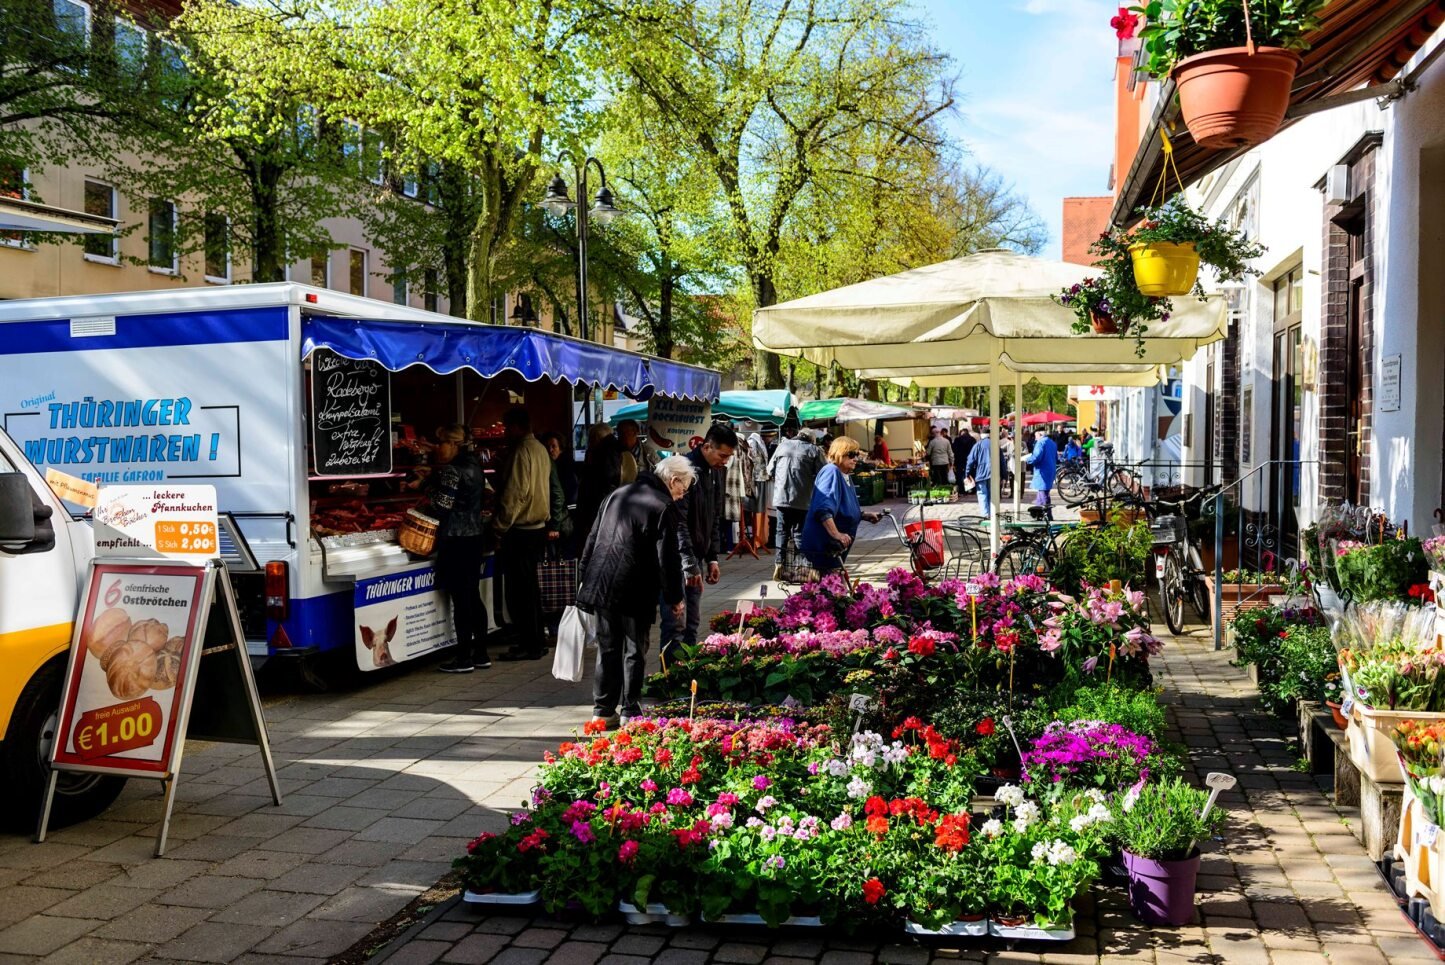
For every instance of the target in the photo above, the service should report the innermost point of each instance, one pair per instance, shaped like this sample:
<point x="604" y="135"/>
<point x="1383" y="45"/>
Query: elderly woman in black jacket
<point x="632" y="555"/>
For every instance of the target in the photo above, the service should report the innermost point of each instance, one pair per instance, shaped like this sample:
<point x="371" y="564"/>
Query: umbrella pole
<point x="995" y="467"/>
<point x="1018" y="442"/>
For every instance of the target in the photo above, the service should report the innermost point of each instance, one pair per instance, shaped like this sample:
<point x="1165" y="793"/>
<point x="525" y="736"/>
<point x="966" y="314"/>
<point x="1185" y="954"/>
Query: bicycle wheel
<point x="1073" y="485"/>
<point x="1121" y="483"/>
<point x="1198" y="592"/>
<point x="1171" y="594"/>
<point x="1022" y="556"/>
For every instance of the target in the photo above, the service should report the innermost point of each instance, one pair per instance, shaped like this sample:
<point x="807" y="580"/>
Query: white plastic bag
<point x="575" y="631"/>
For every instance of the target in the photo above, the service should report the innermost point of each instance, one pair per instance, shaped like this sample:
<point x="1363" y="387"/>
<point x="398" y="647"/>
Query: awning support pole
<point x="1018" y="443"/>
<point x="994" y="467"/>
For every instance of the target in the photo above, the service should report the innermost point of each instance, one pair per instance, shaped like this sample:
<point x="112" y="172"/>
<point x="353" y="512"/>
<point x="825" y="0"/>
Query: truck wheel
<point x="25" y="756"/>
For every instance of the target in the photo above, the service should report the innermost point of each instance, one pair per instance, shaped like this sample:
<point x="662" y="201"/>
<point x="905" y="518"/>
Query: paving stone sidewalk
<point x="385" y="784"/>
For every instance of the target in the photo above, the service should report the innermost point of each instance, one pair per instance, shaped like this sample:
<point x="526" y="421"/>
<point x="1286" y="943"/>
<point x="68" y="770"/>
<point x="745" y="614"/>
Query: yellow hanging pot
<point x="1165" y="268"/>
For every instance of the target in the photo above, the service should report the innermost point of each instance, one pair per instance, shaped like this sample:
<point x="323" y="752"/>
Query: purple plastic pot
<point x="1162" y="892"/>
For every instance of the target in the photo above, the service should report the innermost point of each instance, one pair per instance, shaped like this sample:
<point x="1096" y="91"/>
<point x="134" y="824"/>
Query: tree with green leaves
<point x="780" y="99"/>
<point x="487" y="87"/>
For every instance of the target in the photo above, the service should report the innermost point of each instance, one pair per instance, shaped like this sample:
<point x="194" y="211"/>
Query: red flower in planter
<point x="985" y="727"/>
<point x="873" y="890"/>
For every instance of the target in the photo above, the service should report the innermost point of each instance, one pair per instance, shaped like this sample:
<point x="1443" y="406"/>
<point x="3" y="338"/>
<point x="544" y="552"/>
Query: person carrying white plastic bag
<point x="575" y="633"/>
<point x="632" y="556"/>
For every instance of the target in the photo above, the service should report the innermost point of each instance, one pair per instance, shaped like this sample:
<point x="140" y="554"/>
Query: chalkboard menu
<point x="350" y="416"/>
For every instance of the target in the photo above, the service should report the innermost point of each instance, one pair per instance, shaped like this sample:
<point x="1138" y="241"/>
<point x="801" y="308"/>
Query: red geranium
<point x="985" y="727"/>
<point x="922" y="646"/>
<point x="877" y="824"/>
<point x="873" y="890"/>
<point x="952" y="834"/>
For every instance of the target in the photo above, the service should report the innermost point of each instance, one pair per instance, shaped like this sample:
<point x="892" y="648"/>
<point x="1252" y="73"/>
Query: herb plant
<point x="1161" y="821"/>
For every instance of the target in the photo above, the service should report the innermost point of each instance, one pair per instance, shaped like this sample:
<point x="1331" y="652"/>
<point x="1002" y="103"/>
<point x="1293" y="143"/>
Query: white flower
<point x="1021" y="825"/>
<point x="1131" y="798"/>
<point x="1061" y="853"/>
<point x="1436" y="784"/>
<point x="837" y="768"/>
<point x="859" y="788"/>
<point x="722" y="820"/>
<point x="1095" y="795"/>
<point x="992" y="828"/>
<point x="864" y="755"/>
<point x="1100" y="814"/>
<point x="1040" y="850"/>
<point x="1027" y="810"/>
<point x="1009" y="795"/>
<point x="1079" y="822"/>
<point x="895" y="753"/>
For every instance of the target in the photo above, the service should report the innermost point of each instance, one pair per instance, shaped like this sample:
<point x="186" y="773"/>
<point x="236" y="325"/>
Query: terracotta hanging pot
<point x="1164" y="268"/>
<point x="1104" y="324"/>
<point x="1232" y="98"/>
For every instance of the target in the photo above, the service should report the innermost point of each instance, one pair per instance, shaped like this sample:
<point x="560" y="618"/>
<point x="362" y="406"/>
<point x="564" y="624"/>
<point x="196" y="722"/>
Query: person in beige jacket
<point x="521" y="521"/>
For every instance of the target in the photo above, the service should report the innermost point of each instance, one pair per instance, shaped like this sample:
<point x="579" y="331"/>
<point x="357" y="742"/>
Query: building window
<point x="1289" y="291"/>
<point x="132" y="44"/>
<point x="321" y="268"/>
<point x="398" y="288"/>
<point x="218" y="248"/>
<point x="372" y="152"/>
<point x="100" y="199"/>
<point x="429" y="292"/>
<point x="14" y="183"/>
<point x="72" y="19"/>
<point x="410" y="186"/>
<point x="161" y="234"/>
<point x="357" y="276"/>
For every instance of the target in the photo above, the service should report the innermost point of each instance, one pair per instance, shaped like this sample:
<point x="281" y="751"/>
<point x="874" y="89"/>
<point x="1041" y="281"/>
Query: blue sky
<point x="1035" y="93"/>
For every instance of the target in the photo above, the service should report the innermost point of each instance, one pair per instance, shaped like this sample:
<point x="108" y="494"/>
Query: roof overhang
<point x="20" y="215"/>
<point x="1357" y="53"/>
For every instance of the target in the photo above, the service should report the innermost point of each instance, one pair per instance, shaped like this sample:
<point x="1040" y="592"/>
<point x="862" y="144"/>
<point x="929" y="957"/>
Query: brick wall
<point x="1226" y="402"/>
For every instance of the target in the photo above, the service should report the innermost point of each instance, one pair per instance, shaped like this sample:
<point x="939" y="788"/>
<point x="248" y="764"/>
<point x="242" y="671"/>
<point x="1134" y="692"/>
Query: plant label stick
<point x="1217" y="782"/>
<point x="744" y="608"/>
<point x="1008" y="725"/>
<point x="860" y="704"/>
<point x="692" y="707"/>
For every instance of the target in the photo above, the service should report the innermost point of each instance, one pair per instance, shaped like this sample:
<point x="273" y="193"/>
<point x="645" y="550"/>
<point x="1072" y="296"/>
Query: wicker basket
<point x="418" y="533"/>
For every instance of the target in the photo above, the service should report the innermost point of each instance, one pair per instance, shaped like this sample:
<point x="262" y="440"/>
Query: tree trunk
<point x="460" y="217"/>
<point x="662" y="341"/>
<point x="267" y="246"/>
<point x="767" y="367"/>
<point x="481" y="258"/>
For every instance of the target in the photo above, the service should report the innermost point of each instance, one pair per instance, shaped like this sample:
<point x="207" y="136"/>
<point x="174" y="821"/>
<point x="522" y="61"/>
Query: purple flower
<point x="776" y="861"/>
<point x="761" y="782"/>
<point x="582" y="831"/>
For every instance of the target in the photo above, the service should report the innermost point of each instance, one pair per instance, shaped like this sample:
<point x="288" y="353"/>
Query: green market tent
<point x="849" y="410"/>
<point x="763" y="405"/>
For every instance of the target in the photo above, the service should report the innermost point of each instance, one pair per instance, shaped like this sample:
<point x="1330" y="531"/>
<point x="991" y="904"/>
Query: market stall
<point x="376" y="390"/>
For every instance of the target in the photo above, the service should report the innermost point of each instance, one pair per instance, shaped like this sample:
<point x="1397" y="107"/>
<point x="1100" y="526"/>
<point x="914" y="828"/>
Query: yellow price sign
<point x="190" y="537"/>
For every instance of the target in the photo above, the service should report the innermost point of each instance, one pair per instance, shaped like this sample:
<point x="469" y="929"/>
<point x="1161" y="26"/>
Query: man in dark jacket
<point x="962" y="446"/>
<point x="701" y="511"/>
<point x="632" y="556"/>
<point x="455" y="487"/>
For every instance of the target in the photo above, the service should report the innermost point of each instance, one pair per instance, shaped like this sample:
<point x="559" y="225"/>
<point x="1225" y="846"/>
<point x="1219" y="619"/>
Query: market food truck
<point x="310" y="411"/>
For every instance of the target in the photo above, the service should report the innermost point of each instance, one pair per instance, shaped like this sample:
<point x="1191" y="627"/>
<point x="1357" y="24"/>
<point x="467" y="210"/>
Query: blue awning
<point x="445" y="347"/>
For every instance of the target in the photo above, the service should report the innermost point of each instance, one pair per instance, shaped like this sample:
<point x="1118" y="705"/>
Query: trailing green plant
<point x="1161" y="820"/>
<point x="1176" y="29"/>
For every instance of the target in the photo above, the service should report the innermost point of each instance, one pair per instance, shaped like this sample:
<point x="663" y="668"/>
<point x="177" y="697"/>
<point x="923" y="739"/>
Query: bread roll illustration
<point x="168" y="664"/>
<point x="111" y="627"/>
<point x="131" y="669"/>
<point x="153" y="633"/>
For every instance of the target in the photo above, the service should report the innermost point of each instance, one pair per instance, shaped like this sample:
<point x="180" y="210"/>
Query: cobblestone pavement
<point x="384" y="785"/>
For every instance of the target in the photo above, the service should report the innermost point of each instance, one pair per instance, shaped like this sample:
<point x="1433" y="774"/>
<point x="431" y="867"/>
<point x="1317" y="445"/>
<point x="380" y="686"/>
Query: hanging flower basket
<point x="1235" y="97"/>
<point x="1163" y="268"/>
<point x="1104" y="324"/>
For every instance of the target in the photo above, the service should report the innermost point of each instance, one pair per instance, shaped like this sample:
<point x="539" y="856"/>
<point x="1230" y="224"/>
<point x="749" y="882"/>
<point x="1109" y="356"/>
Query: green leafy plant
<point x="1308" y="670"/>
<point x="1136" y="710"/>
<point x="1094" y="555"/>
<point x="1161" y="821"/>
<point x="1386" y="571"/>
<point x="1177" y="29"/>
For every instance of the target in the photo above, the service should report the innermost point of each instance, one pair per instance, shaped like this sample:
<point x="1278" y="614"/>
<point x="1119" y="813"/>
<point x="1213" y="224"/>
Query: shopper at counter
<point x="566" y="465"/>
<point x="521" y="521"/>
<point x="601" y="473"/>
<point x="455" y="489"/>
<point x="633" y="556"/>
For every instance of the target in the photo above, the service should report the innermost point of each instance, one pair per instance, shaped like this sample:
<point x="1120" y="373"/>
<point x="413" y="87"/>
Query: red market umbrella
<point x="1046" y="418"/>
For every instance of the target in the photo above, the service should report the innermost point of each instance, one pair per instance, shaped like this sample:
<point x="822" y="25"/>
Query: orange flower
<point x="878" y="824"/>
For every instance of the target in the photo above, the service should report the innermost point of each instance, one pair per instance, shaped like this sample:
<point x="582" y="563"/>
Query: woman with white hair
<point x="632" y="556"/>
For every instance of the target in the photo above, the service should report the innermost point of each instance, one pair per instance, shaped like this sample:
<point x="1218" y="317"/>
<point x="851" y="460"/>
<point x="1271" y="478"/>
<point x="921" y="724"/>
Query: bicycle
<point x="1030" y="550"/>
<point x="1076" y="482"/>
<point x="1178" y="566"/>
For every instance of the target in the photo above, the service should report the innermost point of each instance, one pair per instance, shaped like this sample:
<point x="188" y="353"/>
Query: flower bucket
<point x="962" y="928"/>
<point x="1162" y="892"/>
<point x="1232" y="98"/>
<point x="502" y="897"/>
<point x="1371" y="748"/>
<point x="1163" y="268"/>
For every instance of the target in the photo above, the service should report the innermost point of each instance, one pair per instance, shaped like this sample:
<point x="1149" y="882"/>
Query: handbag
<point x="557" y="578"/>
<point x="575" y="631"/>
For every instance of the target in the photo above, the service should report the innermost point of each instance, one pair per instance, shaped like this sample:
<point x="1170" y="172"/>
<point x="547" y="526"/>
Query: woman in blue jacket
<point x="834" y="513"/>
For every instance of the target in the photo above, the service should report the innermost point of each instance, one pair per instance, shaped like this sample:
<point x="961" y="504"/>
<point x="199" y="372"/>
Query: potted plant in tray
<point x="1160" y="827"/>
<point x="1232" y="61"/>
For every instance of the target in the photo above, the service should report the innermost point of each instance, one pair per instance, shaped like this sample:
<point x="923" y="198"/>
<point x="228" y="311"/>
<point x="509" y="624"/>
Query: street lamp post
<point x="558" y="202"/>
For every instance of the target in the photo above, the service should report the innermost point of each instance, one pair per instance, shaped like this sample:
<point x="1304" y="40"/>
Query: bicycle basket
<point x="1168" y="529"/>
<point x="926" y="540"/>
